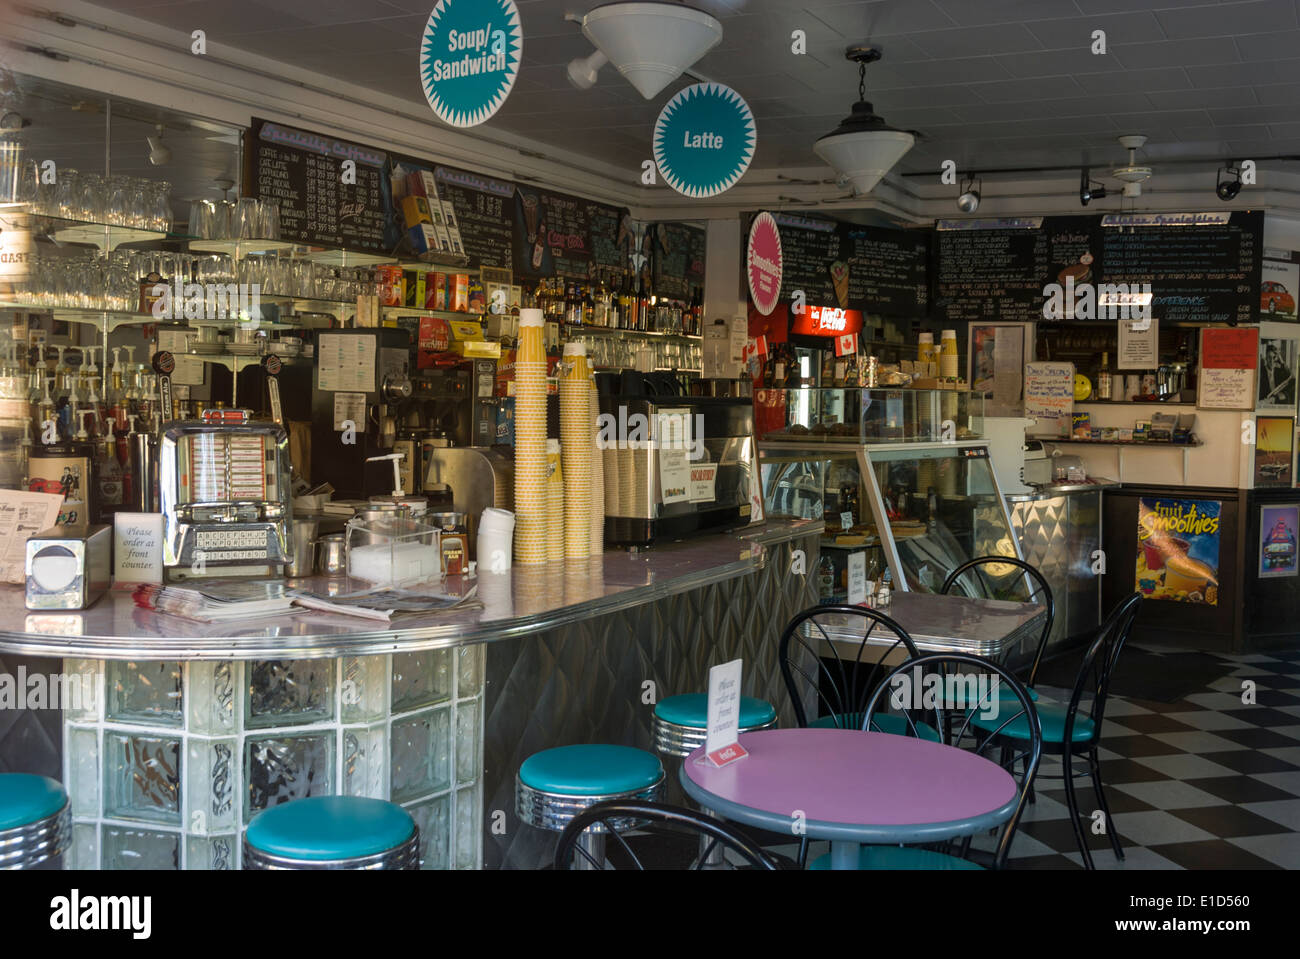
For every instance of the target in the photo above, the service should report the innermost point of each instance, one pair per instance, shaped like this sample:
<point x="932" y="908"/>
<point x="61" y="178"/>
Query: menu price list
<point x="887" y="268"/>
<point x="485" y="211"/>
<point x="678" y="258"/>
<point x="564" y="236"/>
<point x="991" y="275"/>
<point x="316" y="206"/>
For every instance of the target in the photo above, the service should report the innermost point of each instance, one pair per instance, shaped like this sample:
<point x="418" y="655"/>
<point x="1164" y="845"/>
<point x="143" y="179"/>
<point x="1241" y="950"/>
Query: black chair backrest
<point x="618" y="812"/>
<point x="1099" y="665"/>
<point x="846" y="686"/>
<point x="946" y="690"/>
<point x="1038" y="592"/>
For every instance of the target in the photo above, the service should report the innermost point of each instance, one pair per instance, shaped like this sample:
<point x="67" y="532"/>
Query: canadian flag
<point x="846" y="344"/>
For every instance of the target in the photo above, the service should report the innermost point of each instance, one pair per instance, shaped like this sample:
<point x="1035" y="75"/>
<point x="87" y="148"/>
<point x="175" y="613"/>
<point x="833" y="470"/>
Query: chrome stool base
<point x="24" y="847"/>
<point x="670" y="739"/>
<point x="552" y="811"/>
<point x="403" y="856"/>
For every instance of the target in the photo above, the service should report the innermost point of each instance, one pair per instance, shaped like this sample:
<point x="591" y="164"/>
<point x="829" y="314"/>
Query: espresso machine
<point x="225" y="497"/>
<point x="362" y="378"/>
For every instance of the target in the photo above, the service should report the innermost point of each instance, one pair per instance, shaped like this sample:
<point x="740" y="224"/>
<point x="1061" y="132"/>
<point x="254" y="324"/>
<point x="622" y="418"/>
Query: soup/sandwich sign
<point x="469" y="58"/>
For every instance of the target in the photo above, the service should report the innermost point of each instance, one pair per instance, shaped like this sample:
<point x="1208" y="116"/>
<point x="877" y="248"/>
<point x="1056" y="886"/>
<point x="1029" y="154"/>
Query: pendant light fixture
<point x="651" y="43"/>
<point x="863" y="148"/>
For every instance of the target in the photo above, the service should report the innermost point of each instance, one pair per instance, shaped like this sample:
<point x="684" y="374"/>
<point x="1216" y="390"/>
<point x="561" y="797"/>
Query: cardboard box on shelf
<point x="424" y="238"/>
<point x="434" y="338"/>
<point x="458" y="292"/>
<point x="413" y="293"/>
<point x="435" y="291"/>
<point x="421" y="183"/>
<point x="415" y="210"/>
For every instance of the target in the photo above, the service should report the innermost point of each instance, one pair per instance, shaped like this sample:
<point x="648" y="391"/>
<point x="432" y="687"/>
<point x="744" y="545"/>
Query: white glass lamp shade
<point x="863" y="157"/>
<point x="651" y="43"/>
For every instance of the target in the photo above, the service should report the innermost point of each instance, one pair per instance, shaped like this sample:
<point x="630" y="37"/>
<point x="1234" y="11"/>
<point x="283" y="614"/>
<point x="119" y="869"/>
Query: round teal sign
<point x="704" y="140"/>
<point x="469" y="58"/>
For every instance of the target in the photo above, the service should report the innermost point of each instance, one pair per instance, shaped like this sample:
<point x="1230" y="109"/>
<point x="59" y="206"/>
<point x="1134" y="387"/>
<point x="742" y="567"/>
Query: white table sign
<point x="721" y="737"/>
<point x="137" y="548"/>
<point x="857" y="578"/>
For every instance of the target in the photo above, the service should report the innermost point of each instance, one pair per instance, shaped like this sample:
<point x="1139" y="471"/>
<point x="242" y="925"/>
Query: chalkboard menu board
<point x="303" y="173"/>
<point x="678" y="254"/>
<point x="560" y="235"/>
<point x="881" y="270"/>
<point x="888" y="269"/>
<point x="1202" y="267"/>
<point x="1205" y="271"/>
<point x="485" y="211"/>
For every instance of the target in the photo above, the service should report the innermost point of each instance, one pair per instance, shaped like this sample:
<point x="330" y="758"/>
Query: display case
<point x="875" y="415"/>
<point x="917" y="509"/>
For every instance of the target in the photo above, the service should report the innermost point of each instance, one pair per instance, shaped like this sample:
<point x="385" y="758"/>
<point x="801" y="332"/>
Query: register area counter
<point x="188" y="729"/>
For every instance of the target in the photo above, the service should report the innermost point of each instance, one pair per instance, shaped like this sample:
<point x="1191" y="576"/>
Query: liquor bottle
<point x="642" y="305"/>
<point x="600" y="306"/>
<point x="826" y="579"/>
<point x="1103" y="378"/>
<point x="828" y="370"/>
<point x="793" y="369"/>
<point x="624" y="305"/>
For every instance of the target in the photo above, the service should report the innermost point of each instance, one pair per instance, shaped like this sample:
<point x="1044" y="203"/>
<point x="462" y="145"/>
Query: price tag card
<point x="721" y="744"/>
<point x="846" y="520"/>
<point x="857" y="578"/>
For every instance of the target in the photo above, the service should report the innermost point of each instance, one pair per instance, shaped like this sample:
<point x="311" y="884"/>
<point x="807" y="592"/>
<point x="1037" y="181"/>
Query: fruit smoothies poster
<point x="1277" y="540"/>
<point x="1178" y="550"/>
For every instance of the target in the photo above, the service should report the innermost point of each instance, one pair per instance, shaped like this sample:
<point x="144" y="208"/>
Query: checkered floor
<point x="1205" y="783"/>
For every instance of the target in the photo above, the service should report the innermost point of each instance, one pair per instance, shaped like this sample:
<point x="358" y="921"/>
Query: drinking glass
<point x="66" y="189"/>
<point x="159" y="211"/>
<point x="200" y="222"/>
<point x="117" y="208"/>
<point x="268" y="223"/>
<point x="221" y="220"/>
<point x="90" y="198"/>
<point x="245" y="224"/>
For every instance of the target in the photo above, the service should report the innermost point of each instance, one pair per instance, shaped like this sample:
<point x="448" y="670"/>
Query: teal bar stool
<point x="555" y="785"/>
<point x="35" y="822"/>
<point x="680" y="722"/>
<point x="332" y="832"/>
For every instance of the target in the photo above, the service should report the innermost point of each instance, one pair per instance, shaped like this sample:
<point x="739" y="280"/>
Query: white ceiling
<point x="989" y="83"/>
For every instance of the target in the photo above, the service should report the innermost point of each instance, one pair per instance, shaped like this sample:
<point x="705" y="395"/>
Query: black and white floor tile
<point x="1208" y="782"/>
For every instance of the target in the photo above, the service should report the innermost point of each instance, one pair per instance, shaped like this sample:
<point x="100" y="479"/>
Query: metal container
<point x="304" y="545"/>
<point x="144" y="467"/>
<point x="331" y="554"/>
<point x="68" y="567"/>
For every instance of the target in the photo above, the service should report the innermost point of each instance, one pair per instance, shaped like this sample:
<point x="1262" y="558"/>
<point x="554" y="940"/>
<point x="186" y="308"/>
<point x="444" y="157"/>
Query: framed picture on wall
<point x="1229" y="363"/>
<point x="1276" y="386"/>
<point x="995" y="361"/>
<point x="1274" y="451"/>
<point x="1277" y="540"/>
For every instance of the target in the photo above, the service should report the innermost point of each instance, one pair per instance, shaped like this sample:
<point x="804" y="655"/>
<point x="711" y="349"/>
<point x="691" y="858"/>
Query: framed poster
<point x="1279" y="284"/>
<point x="1276" y="388"/>
<point x="1274" y="438"/>
<point x="1277" y="543"/>
<point x="1229" y="356"/>
<point x="1178" y="550"/>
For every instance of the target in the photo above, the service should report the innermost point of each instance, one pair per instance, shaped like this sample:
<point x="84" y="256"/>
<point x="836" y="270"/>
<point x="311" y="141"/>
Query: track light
<point x="1227" y="189"/>
<point x="969" y="200"/>
<point x="1089" y="189"/>
<point x="582" y="70"/>
<point x="159" y="153"/>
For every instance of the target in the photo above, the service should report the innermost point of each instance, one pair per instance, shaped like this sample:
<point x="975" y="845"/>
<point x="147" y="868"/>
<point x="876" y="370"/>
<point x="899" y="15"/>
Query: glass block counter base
<point x="167" y="761"/>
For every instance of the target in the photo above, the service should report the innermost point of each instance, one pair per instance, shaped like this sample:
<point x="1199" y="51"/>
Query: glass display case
<point x="875" y="415"/>
<point x="918" y="504"/>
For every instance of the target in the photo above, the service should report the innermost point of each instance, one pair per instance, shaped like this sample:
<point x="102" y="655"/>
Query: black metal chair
<point x="1067" y="733"/>
<point x="948" y="691"/>
<point x="843" y="689"/>
<point x="972" y="575"/>
<point x="615" y="815"/>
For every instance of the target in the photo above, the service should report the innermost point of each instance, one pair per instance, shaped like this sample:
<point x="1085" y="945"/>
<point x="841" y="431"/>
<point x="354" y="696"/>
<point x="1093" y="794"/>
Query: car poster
<point x="1277" y="540"/>
<point x="1279" y="286"/>
<point x="1178" y="549"/>
<point x="1274" y="436"/>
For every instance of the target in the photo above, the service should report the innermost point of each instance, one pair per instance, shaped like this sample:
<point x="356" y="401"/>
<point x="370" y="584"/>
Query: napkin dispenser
<point x="68" y="567"/>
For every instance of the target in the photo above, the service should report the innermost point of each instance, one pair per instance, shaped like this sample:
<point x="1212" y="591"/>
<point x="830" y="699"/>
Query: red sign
<point x="763" y="263"/>
<point x="826" y="321"/>
<point x="728" y="754"/>
<point x="1229" y="349"/>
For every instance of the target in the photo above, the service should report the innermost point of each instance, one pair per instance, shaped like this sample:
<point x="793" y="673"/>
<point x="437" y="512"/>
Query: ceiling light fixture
<point x="863" y="148"/>
<point x="582" y="71"/>
<point x="1227" y="189"/>
<point x="159" y="153"/>
<point x="651" y="43"/>
<point x="1089" y="189"/>
<point x="969" y="200"/>
<point x="13" y="121"/>
<point x="1132" y="174"/>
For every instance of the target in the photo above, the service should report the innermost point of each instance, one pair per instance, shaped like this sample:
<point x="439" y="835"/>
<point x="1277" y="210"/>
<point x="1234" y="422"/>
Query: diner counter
<point x="518" y="602"/>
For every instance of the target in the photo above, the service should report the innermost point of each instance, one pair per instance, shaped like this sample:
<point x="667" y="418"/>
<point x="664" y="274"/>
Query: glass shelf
<point x="867" y="415"/>
<point x="103" y="235"/>
<point x="613" y="330"/>
<point x="69" y="314"/>
<point x="241" y="248"/>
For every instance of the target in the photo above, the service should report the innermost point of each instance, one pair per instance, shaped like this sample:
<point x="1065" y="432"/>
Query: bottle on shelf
<point x="108" y="475"/>
<point x="1103" y="378"/>
<point x="826" y="579"/>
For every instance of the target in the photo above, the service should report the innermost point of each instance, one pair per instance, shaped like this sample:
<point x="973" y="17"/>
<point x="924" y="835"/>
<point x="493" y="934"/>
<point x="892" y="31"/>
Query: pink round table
<point x="853" y="787"/>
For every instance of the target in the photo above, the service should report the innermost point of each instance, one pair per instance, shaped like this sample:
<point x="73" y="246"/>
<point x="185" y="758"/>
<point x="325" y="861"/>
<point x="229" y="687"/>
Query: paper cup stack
<point x="576" y="446"/>
<point x="554" y="502"/>
<point x="531" y="527"/>
<point x="597" y="527"/>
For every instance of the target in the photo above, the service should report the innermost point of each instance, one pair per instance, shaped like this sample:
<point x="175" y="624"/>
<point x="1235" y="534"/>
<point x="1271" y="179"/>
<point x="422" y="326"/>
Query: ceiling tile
<point x="967" y="13"/>
<point x="885" y="18"/>
<point x="1014" y="91"/>
<point x="1075" y="32"/>
<point x="1191" y="99"/>
<point x="1219" y="20"/>
<point x="1283" y="45"/>
<point x="1274" y="114"/>
<point x="1173" y="53"/>
<point x="978" y="41"/>
<point x="1240" y="74"/>
<point x="1120" y="81"/>
<point x="1053" y="63"/>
